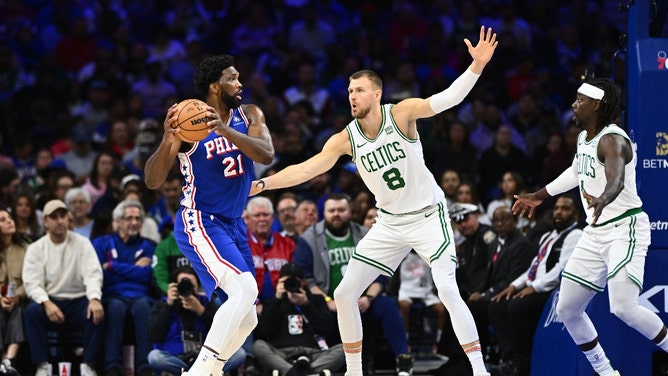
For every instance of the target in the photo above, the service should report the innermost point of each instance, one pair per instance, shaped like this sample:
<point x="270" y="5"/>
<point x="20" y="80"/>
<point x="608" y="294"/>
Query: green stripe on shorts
<point x="446" y="235"/>
<point x="629" y="251"/>
<point x="582" y="281"/>
<point x="373" y="263"/>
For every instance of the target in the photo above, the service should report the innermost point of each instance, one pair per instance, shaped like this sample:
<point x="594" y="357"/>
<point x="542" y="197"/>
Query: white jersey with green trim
<point x="591" y="176"/>
<point x="392" y="167"/>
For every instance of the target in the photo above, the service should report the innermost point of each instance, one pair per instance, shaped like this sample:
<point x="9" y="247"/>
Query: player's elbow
<point x="265" y="157"/>
<point x="152" y="182"/>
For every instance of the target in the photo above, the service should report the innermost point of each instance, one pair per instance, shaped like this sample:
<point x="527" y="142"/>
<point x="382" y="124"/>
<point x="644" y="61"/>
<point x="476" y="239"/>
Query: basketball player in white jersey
<point x="412" y="214"/>
<point x="613" y="246"/>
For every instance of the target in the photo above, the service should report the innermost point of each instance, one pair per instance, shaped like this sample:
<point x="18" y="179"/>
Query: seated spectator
<point x="296" y="331"/>
<point x="12" y="252"/>
<point x="9" y="181"/>
<point x="99" y="179"/>
<point x="467" y="193"/>
<point x="80" y="159"/>
<point x="325" y="249"/>
<point x="511" y="184"/>
<point x="27" y="218"/>
<point x="509" y="256"/>
<point x="179" y="323"/>
<point x="126" y="260"/>
<point x="489" y="259"/>
<point x="168" y="203"/>
<point x="270" y="250"/>
<point x="306" y="215"/>
<point x="515" y="311"/>
<point x="79" y="204"/>
<point x="286" y="205"/>
<point x="167" y="259"/>
<point x="416" y="284"/>
<point x="63" y="279"/>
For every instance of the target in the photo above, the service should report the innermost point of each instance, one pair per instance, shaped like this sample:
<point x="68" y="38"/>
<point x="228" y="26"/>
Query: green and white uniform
<point x="621" y="236"/>
<point x="412" y="211"/>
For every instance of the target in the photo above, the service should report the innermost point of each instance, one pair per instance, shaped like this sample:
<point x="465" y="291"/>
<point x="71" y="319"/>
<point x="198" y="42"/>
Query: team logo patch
<point x="662" y="143"/>
<point x="389" y="130"/>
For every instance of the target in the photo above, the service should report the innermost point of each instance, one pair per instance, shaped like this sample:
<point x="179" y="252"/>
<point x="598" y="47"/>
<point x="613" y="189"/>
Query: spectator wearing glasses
<point x="270" y="249"/>
<point x="126" y="260"/>
<point x="286" y="206"/>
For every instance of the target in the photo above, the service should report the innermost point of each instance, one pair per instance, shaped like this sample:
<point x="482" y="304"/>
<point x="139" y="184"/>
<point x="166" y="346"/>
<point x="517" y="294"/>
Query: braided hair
<point x="209" y="70"/>
<point x="609" y="110"/>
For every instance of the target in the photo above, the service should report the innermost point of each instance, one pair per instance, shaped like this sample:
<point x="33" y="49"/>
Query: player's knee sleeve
<point x="242" y="288"/>
<point x="250" y="321"/>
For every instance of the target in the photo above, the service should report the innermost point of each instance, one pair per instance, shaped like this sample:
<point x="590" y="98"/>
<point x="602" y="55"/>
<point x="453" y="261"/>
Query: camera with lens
<point x="292" y="284"/>
<point x="185" y="287"/>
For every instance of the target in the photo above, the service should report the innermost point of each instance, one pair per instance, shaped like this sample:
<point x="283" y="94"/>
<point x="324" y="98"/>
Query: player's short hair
<point x="371" y="75"/>
<point x="210" y="70"/>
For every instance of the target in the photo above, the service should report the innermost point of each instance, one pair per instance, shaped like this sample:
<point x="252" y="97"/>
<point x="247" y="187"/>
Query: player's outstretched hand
<point x="525" y="204"/>
<point x="484" y="50"/>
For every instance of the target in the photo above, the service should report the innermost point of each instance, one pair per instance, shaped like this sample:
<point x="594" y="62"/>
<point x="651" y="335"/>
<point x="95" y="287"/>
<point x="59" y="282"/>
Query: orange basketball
<point x="192" y="120"/>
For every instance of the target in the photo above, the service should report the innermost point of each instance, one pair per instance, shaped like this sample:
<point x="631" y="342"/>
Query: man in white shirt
<point x="63" y="278"/>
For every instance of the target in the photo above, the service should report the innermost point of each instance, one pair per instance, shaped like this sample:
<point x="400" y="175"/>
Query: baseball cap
<point x="460" y="210"/>
<point x="293" y="270"/>
<point x="52" y="206"/>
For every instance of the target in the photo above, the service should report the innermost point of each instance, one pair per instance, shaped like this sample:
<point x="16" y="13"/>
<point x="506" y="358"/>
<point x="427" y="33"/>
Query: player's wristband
<point x="370" y="297"/>
<point x="260" y="183"/>
<point x="328" y="299"/>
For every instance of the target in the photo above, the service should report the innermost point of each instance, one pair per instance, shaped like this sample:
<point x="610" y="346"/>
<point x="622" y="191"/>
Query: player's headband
<point x="591" y="91"/>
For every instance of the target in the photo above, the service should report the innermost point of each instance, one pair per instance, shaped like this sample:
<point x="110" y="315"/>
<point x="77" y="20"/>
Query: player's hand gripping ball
<point x="192" y="120"/>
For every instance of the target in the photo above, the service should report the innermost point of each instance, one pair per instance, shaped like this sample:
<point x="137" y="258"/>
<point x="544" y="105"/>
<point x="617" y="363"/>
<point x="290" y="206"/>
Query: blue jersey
<point x="217" y="176"/>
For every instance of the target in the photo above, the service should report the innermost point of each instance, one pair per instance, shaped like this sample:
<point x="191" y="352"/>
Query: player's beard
<point x="361" y="113"/>
<point x="230" y="101"/>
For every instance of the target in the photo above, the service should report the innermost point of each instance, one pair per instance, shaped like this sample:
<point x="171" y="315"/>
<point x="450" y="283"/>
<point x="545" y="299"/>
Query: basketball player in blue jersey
<point x="613" y="246"/>
<point x="412" y="213"/>
<point x="217" y="174"/>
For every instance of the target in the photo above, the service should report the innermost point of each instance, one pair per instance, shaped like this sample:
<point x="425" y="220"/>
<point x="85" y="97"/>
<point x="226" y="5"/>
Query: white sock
<point x="207" y="363"/>
<point x="475" y="357"/>
<point x="599" y="361"/>
<point x="354" y="362"/>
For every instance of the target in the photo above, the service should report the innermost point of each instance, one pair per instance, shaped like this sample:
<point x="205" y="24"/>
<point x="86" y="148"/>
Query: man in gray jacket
<point x="323" y="251"/>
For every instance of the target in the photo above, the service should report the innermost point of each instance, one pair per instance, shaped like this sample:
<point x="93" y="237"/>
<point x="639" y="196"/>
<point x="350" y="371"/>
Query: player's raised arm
<point x="336" y="146"/>
<point x="417" y="108"/>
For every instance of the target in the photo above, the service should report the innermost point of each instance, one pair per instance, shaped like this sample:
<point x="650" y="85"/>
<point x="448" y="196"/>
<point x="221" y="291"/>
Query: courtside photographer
<point x="179" y="323"/>
<point x="296" y="334"/>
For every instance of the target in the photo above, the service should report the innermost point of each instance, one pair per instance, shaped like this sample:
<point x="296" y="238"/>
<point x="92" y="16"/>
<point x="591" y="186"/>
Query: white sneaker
<point x="43" y="369"/>
<point x="87" y="370"/>
<point x="617" y="373"/>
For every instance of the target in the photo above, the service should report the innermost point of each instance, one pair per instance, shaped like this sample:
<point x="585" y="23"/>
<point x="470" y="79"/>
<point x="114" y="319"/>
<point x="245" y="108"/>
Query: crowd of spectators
<point x="84" y="88"/>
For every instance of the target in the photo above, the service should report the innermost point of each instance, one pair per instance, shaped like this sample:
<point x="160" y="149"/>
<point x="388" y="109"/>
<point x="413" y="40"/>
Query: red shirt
<point x="270" y="257"/>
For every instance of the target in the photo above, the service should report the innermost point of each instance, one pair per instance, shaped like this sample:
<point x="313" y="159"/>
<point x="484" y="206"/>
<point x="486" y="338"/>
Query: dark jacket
<point x="166" y="323"/>
<point x="473" y="260"/>
<point x="283" y="324"/>
<point x="513" y="260"/>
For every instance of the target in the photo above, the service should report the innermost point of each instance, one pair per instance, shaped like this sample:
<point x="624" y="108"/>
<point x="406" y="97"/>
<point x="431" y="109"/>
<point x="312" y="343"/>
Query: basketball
<point x="192" y="120"/>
